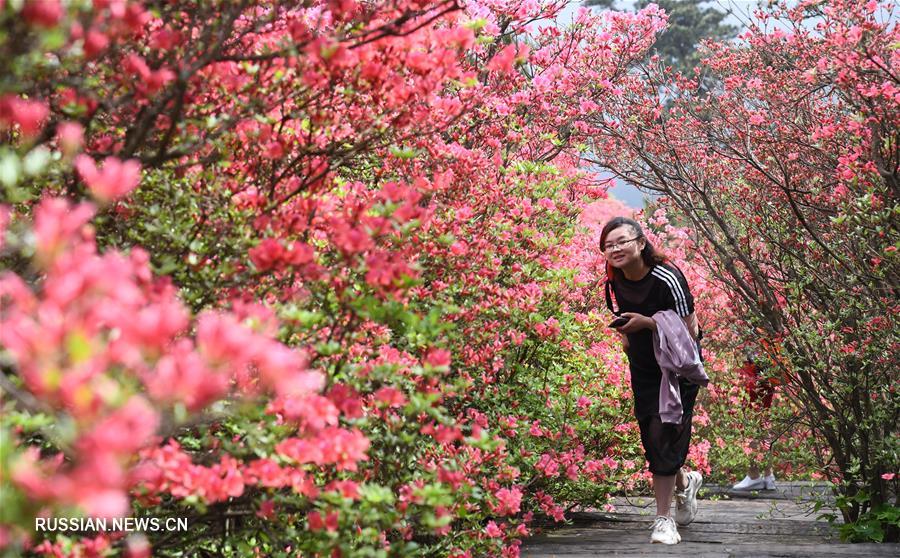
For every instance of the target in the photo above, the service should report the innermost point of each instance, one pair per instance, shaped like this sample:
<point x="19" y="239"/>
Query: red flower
<point x="267" y="254"/>
<point x="331" y="521"/>
<point x="42" y="13"/>
<point x="347" y="488"/>
<point x="273" y="150"/>
<point x="347" y="400"/>
<point x="447" y="434"/>
<point x="266" y="509"/>
<point x="164" y="39"/>
<point x="136" y="17"/>
<point x="56" y="224"/>
<point x="504" y="60"/>
<point x="28" y="115"/>
<point x="95" y="43"/>
<point x="149" y="81"/>
<point x="314" y="521"/>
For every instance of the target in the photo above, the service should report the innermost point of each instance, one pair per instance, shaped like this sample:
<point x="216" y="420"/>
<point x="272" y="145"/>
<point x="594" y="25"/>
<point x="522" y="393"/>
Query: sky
<point x="622" y="191"/>
<point x="742" y="7"/>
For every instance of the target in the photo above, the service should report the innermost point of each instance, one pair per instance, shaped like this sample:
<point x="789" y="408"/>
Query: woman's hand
<point x="636" y="322"/>
<point x="625" y="343"/>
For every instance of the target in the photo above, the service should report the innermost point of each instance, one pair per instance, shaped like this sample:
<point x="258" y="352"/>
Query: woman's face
<point x="622" y="247"/>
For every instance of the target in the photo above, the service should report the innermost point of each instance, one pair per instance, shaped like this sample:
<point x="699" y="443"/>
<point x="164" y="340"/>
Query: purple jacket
<point x="678" y="357"/>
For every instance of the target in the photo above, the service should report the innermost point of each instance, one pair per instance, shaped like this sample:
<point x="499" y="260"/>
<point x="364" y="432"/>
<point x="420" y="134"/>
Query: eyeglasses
<point x="619" y="245"/>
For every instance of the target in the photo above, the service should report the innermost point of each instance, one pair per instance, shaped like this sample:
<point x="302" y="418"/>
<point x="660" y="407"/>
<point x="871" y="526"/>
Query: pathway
<point x="763" y="524"/>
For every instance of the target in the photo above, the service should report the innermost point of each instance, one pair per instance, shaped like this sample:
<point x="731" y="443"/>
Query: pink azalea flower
<point x="492" y="530"/>
<point x="390" y="396"/>
<point x="447" y="434"/>
<point x="56" y="222"/>
<point x="113" y="180"/>
<point x="547" y="465"/>
<point x="510" y="500"/>
<point x="70" y="137"/>
<point x="148" y="81"/>
<point x="183" y="376"/>
<point x="331" y="521"/>
<point x="125" y="431"/>
<point x="266" y="509"/>
<point x="104" y="503"/>
<point x="347" y="488"/>
<point x="757" y="119"/>
<point x="438" y="358"/>
<point x="504" y="60"/>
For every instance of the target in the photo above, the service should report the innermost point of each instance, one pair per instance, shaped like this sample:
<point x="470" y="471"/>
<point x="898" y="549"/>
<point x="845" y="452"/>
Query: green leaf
<point x="376" y="494"/>
<point x="403" y="152"/>
<point x="78" y="346"/>
<point x="53" y="38"/>
<point x="10" y="169"/>
<point x="36" y="161"/>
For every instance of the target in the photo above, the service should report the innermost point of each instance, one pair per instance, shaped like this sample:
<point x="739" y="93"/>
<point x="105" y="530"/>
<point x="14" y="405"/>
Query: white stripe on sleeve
<point x="675" y="286"/>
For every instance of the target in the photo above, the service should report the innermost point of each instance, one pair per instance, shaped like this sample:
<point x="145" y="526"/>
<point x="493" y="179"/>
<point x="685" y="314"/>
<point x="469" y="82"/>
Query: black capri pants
<point x="665" y="445"/>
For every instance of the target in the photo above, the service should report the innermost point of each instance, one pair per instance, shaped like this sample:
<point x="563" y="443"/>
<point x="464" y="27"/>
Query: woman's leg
<point x="681" y="479"/>
<point x="664" y="488"/>
<point x="753" y="471"/>
<point x="666" y="446"/>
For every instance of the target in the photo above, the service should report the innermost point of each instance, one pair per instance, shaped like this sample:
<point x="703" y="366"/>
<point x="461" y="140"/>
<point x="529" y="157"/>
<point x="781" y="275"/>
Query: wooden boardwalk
<point x="764" y="524"/>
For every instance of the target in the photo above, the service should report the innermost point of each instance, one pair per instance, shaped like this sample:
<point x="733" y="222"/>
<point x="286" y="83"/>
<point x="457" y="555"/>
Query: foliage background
<point x="322" y="278"/>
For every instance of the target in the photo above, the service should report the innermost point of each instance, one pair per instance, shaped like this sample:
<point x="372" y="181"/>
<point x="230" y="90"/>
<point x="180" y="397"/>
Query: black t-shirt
<point x="663" y="288"/>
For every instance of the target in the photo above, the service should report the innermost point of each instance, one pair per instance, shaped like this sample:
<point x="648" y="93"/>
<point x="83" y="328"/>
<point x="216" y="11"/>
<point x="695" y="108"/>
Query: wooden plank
<point x="764" y="527"/>
<point x="696" y="550"/>
<point x="783" y="491"/>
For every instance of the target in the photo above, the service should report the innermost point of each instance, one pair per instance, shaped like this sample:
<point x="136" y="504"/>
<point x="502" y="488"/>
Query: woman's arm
<point x="692" y="325"/>
<point x="636" y="322"/>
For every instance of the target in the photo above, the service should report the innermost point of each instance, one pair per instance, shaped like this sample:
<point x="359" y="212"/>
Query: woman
<point x="760" y="390"/>
<point x="642" y="285"/>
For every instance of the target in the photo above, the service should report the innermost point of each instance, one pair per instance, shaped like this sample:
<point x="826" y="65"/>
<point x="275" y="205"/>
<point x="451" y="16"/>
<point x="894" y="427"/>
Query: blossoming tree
<point x="788" y="174"/>
<point x="318" y="301"/>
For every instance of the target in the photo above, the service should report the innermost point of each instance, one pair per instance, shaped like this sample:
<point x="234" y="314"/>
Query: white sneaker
<point x="770" y="482"/>
<point x="758" y="483"/>
<point x="686" y="501"/>
<point x="664" y="531"/>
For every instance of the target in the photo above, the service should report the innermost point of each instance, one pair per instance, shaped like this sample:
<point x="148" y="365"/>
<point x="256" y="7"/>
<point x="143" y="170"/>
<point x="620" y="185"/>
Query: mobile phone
<point x="619" y="322"/>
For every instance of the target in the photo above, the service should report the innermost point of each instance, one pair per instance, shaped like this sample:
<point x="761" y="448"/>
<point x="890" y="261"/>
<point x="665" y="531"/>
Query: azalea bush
<point x="321" y="279"/>
<point x="301" y="275"/>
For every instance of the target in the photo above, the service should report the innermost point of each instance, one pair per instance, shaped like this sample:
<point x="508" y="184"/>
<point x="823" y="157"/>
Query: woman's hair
<point x="649" y="254"/>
